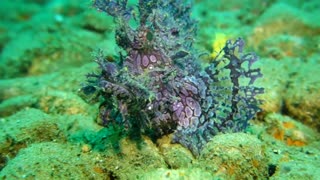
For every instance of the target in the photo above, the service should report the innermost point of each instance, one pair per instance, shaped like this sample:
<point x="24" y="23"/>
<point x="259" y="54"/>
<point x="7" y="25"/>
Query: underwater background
<point x="48" y="130"/>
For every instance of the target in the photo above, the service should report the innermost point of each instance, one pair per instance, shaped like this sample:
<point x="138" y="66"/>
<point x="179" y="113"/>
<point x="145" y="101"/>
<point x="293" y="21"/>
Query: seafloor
<point x="48" y="131"/>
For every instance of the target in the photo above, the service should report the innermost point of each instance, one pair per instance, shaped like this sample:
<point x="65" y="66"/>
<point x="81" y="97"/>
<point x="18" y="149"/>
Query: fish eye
<point x="174" y="32"/>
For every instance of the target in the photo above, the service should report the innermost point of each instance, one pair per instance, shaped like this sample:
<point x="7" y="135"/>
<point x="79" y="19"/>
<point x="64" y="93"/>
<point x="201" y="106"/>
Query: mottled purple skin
<point x="159" y="85"/>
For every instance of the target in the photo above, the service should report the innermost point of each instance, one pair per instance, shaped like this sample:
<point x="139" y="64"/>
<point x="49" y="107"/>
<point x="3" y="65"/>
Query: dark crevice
<point x="93" y="29"/>
<point x="112" y="176"/>
<point x="284" y="108"/>
<point x="3" y="162"/>
<point x="271" y="169"/>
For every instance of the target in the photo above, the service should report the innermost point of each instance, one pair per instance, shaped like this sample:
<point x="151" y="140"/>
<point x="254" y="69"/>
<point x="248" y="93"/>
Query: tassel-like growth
<point x="158" y="87"/>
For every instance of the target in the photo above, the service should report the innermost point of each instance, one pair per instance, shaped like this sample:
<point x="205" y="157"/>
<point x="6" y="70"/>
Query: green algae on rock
<point x="53" y="160"/>
<point x="235" y="156"/>
<point x="161" y="173"/>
